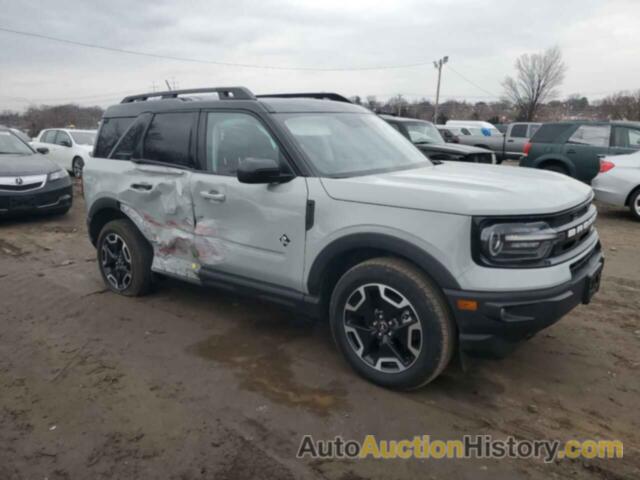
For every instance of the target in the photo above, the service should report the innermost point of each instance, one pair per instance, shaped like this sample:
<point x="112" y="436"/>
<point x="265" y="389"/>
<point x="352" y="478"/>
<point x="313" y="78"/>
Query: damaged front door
<point x="255" y="232"/>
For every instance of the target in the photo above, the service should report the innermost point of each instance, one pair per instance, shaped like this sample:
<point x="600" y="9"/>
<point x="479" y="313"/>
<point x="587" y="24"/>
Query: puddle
<point x="255" y="352"/>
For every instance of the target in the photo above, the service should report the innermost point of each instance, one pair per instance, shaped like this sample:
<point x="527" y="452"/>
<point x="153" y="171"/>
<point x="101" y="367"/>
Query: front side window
<point x="110" y="132"/>
<point x="625" y="137"/>
<point x="169" y="139"/>
<point x="519" y="131"/>
<point x="12" y="145"/>
<point x="347" y="144"/>
<point x="593" y="135"/>
<point x="62" y="138"/>
<point x="423" y="132"/>
<point x="232" y="137"/>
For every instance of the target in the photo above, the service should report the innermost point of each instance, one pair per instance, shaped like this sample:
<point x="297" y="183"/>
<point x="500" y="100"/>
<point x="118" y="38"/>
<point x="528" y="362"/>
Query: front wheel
<point x="124" y="258"/>
<point x="392" y="323"/>
<point x="634" y="204"/>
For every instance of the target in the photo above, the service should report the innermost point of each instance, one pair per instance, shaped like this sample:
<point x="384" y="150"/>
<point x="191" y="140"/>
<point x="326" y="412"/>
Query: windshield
<point x="423" y="132"/>
<point x="83" y="138"/>
<point x="12" y="145"/>
<point x="346" y="144"/>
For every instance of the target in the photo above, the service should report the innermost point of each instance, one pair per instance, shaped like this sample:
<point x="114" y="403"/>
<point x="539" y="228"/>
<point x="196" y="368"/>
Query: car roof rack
<point x="225" y="93"/>
<point x="317" y="95"/>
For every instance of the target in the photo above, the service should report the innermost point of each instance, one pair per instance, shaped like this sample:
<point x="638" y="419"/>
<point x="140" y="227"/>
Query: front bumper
<point x="53" y="196"/>
<point x="502" y="320"/>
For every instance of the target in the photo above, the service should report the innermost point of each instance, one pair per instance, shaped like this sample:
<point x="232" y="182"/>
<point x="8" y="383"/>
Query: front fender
<point x="380" y="241"/>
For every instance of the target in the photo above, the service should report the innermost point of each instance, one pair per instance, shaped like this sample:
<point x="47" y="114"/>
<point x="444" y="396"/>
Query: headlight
<point x="516" y="243"/>
<point x="57" y="175"/>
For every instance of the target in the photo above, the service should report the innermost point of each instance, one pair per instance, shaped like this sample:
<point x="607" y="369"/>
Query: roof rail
<point x="320" y="96"/>
<point x="225" y="93"/>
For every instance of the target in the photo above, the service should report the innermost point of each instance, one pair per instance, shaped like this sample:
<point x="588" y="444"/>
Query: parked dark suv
<point x="575" y="148"/>
<point x="429" y="141"/>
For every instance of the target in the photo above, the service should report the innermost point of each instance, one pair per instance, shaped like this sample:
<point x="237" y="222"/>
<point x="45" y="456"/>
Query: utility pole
<point x="438" y="64"/>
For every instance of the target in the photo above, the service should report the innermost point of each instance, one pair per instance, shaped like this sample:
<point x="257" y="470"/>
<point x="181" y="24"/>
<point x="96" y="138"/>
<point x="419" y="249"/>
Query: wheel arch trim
<point x="379" y="241"/>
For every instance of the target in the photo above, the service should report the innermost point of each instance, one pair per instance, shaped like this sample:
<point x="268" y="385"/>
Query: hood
<point x="86" y="148"/>
<point x="465" y="189"/>
<point x="22" y="165"/>
<point x="455" y="148"/>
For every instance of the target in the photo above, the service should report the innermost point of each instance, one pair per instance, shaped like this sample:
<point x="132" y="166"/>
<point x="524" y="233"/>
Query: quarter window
<point x="110" y="132"/>
<point x="519" y="131"/>
<point x="232" y="137"/>
<point x="594" y="135"/>
<point x="169" y="139"/>
<point x="625" y="137"/>
<point x="128" y="146"/>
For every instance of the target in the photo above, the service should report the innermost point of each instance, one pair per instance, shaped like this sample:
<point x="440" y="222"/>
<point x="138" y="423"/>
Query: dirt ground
<point x="189" y="383"/>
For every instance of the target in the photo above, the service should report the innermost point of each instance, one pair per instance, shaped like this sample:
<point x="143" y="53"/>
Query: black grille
<point x="26" y="201"/>
<point x="21" y="188"/>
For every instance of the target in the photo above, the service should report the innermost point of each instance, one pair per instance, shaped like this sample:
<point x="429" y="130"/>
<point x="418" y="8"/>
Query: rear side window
<point x="519" y="131"/>
<point x="110" y="132"/>
<point x="551" y="132"/>
<point x="62" y="138"/>
<point x="169" y="139"/>
<point x="625" y="137"/>
<point x="593" y="135"/>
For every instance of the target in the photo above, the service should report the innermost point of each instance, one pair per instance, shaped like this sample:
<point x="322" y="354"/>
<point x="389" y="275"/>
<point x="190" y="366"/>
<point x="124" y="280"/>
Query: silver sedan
<point x="618" y="182"/>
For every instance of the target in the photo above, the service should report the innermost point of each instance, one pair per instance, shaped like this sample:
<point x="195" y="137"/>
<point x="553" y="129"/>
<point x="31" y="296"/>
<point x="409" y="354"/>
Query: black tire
<point x="76" y="167"/>
<point x="437" y="330"/>
<point x="634" y="204"/>
<point x="555" y="167"/>
<point x="140" y="255"/>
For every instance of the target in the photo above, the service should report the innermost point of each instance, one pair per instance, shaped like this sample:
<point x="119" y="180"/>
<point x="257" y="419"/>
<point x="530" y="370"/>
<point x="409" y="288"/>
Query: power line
<point x="210" y="62"/>
<point x="471" y="82"/>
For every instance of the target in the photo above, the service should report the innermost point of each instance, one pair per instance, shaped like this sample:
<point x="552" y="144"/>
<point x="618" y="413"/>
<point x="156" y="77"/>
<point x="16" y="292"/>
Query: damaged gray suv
<point x="320" y="205"/>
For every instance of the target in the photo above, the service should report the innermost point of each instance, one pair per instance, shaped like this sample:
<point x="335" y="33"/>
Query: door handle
<point x="571" y="151"/>
<point x="510" y="141"/>
<point x="601" y="156"/>
<point x="141" y="187"/>
<point x="213" y="195"/>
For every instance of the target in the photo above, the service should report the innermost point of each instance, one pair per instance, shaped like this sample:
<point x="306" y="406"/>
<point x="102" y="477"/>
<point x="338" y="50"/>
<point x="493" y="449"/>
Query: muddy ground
<point x="189" y="383"/>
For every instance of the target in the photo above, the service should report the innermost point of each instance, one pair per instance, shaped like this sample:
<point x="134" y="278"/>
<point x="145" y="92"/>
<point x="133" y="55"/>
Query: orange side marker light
<point x="469" y="305"/>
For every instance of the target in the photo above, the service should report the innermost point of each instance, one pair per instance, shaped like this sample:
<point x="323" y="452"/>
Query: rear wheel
<point x="124" y="258"/>
<point x="634" y="204"/>
<point x="77" y="166"/>
<point x="555" y="167"/>
<point x="392" y="323"/>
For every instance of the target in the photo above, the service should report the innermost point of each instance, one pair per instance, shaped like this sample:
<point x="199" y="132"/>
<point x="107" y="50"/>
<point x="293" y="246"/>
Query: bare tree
<point x="536" y="82"/>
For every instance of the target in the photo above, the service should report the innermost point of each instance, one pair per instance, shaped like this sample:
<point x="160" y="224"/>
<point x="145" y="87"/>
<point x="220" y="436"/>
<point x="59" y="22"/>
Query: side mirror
<point x="42" y="150"/>
<point x="261" y="170"/>
<point x="65" y="143"/>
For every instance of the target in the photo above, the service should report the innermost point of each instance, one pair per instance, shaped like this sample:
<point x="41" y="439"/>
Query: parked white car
<point x="618" y="182"/>
<point x="69" y="148"/>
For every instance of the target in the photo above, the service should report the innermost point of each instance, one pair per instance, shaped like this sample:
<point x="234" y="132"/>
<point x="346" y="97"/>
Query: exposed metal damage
<point x="165" y="216"/>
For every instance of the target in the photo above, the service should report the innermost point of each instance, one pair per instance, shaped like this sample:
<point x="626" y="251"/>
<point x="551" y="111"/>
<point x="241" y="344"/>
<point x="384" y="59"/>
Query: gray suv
<point x="322" y="206"/>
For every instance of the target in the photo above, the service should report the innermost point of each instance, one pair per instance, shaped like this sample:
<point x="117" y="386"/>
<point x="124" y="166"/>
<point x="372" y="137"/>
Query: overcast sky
<point x="599" y="40"/>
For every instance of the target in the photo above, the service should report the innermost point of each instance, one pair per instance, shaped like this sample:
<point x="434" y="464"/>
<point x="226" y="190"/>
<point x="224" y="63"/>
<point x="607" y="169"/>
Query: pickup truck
<point x="507" y="146"/>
